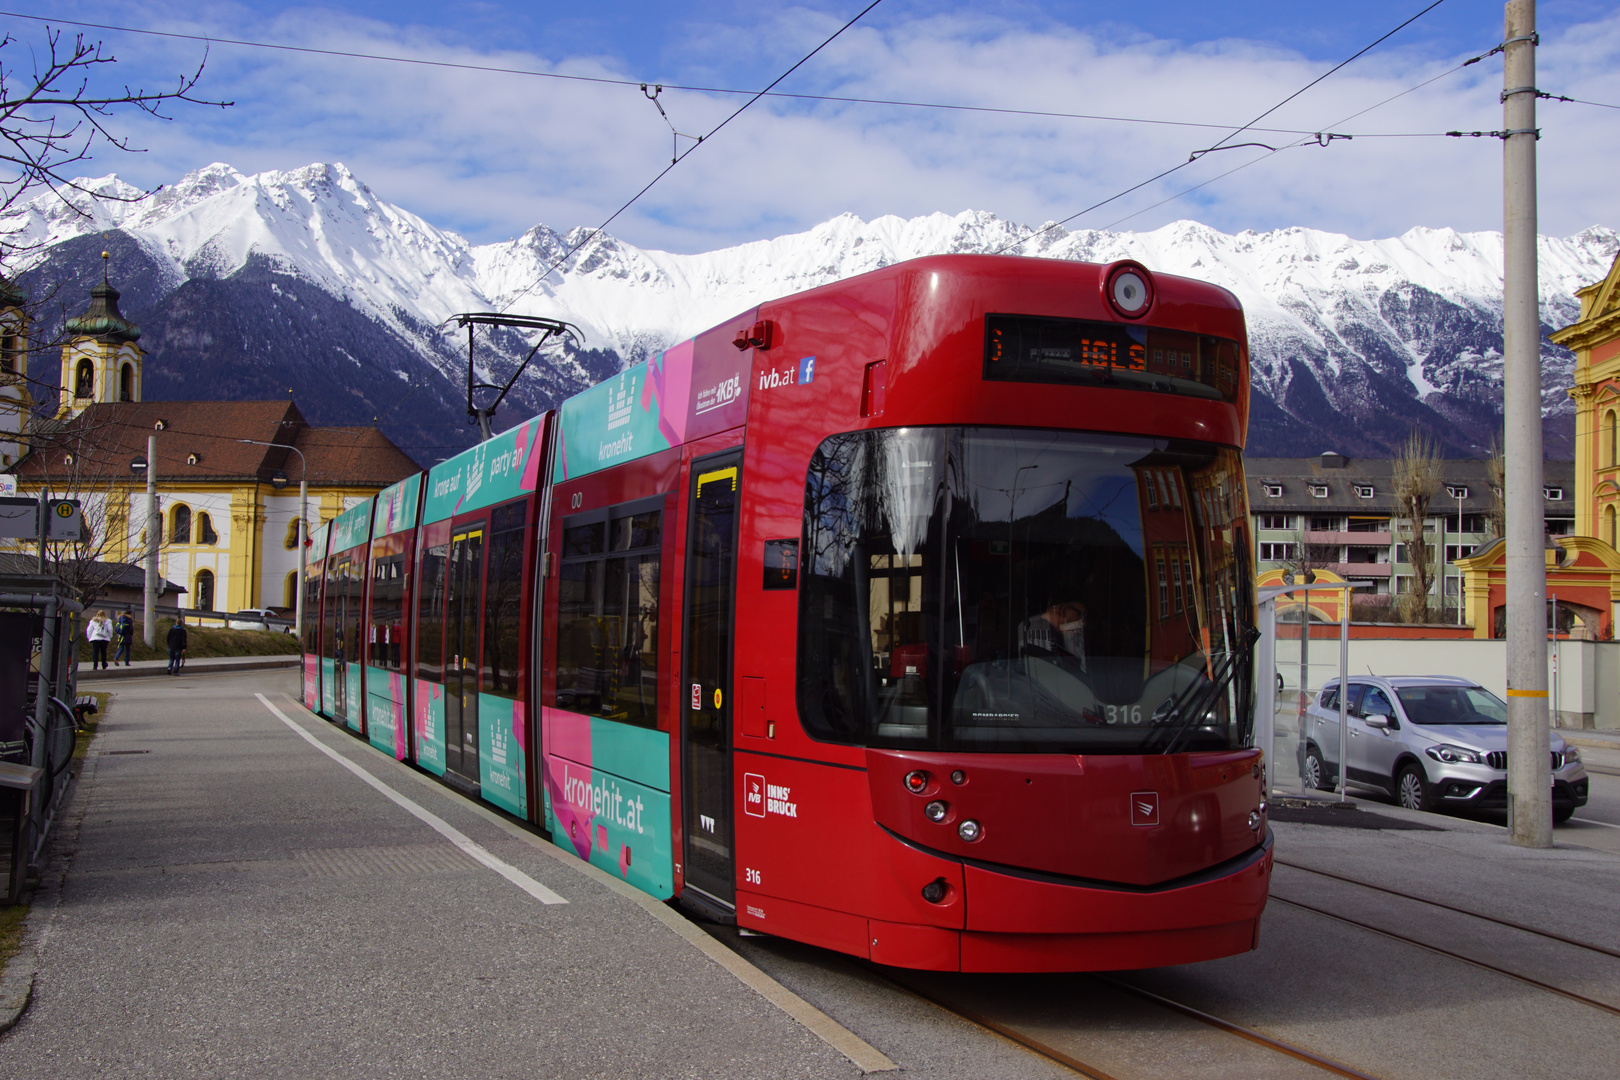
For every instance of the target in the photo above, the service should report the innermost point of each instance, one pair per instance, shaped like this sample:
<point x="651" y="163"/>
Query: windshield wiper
<point x="1201" y="695"/>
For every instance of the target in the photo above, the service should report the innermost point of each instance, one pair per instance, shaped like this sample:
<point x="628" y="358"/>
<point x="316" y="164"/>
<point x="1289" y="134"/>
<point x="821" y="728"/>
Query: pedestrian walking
<point x="99" y="632"/>
<point x="124" y="625"/>
<point x="177" y="644"/>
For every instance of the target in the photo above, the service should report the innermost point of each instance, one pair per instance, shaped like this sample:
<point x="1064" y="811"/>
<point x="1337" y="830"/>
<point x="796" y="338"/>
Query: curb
<point x="195" y="669"/>
<point x="17" y="987"/>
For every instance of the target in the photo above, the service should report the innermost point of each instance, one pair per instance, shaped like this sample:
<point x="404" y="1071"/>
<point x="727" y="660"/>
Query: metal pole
<point x="1529" y="742"/>
<point x="1460" y="579"/>
<point x="303" y="553"/>
<point x="1555" y="679"/>
<point x="1265" y="720"/>
<point x="1304" y="682"/>
<point x="1344" y="694"/>
<point x="43" y="516"/>
<point x="149" y="614"/>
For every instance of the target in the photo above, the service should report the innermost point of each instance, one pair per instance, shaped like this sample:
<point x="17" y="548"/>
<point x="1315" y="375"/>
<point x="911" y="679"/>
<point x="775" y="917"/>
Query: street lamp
<point x="303" y="524"/>
<point x="148" y="465"/>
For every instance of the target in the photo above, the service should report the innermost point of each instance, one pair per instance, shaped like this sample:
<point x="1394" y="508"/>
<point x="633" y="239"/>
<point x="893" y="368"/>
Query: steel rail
<point x="1509" y="923"/>
<point x="1046" y="1050"/>
<point x="1438" y="950"/>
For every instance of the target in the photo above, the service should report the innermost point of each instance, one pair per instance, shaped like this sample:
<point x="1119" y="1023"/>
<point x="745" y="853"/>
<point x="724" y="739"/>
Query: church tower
<point x="101" y="360"/>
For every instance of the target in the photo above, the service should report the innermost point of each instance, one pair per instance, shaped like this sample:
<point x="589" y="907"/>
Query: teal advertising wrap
<point x="690" y="390"/>
<point x="491" y="472"/>
<point x="607" y="797"/>
<point x="396" y="507"/>
<point x="352" y="527"/>
<point x="429" y="721"/>
<point x="319" y="543"/>
<point x="501" y="778"/>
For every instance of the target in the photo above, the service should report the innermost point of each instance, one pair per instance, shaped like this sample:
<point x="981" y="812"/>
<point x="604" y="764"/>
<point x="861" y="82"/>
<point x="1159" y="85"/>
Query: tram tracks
<point x="1430" y="946"/>
<point x="1028" y="1039"/>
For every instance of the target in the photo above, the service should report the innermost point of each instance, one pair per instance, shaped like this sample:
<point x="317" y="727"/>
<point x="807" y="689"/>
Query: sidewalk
<point x="240" y="889"/>
<point x="202" y="665"/>
<point x="1587" y="737"/>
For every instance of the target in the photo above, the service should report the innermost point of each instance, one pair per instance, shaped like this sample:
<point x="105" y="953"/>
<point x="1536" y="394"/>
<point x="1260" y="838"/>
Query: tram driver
<point x="1058" y="631"/>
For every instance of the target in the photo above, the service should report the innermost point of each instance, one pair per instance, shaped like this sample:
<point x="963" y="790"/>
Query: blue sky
<point x="491" y="154"/>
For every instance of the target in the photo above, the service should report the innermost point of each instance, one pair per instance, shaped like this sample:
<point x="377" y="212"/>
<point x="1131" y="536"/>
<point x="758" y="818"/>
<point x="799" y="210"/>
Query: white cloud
<point x="491" y="154"/>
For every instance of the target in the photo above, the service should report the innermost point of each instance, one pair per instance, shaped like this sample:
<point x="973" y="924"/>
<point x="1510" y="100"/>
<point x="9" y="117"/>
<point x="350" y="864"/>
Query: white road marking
<point x="432" y="820"/>
<point x="1589" y="821"/>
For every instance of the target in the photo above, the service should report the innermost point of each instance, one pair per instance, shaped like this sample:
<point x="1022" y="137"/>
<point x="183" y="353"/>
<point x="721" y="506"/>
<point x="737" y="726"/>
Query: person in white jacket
<point x="100" y="634"/>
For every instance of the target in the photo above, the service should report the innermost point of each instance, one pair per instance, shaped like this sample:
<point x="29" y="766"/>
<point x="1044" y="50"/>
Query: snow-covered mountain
<point x="251" y="286"/>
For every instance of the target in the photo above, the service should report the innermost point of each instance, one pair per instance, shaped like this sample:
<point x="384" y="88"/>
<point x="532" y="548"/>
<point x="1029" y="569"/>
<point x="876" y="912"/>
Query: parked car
<point x="1430" y="742"/>
<point x="251" y="619"/>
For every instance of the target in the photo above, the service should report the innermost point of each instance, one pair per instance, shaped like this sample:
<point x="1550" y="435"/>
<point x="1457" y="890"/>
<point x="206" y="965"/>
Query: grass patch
<point x="206" y="641"/>
<point x="11" y="931"/>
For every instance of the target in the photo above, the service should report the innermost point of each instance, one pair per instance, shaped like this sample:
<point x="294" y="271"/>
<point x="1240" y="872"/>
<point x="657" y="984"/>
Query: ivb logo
<point x="753" y="795"/>
<point x="1144" y="808"/>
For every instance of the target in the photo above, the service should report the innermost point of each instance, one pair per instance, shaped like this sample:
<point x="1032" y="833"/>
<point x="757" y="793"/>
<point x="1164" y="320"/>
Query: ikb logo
<point x="753" y="795"/>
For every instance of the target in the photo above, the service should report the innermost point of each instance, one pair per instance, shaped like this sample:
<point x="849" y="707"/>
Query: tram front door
<point x="707" y="699"/>
<point x="463" y="632"/>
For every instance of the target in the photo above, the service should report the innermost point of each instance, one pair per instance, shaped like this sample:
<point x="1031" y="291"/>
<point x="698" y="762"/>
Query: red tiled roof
<point x="200" y="440"/>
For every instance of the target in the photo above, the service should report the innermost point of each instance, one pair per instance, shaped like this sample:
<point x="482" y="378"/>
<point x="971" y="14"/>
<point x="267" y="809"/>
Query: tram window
<point x="503" y="601"/>
<point x="1005" y="590"/>
<point x="312" y="609"/>
<point x="430" y="604"/>
<point x="387" y="606"/>
<point x="607" y="614"/>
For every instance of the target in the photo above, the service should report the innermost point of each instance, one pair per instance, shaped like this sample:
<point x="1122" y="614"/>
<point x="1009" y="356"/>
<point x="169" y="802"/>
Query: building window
<point x="1324" y="524"/>
<point x="1403" y="583"/>
<point x="1553" y="494"/>
<point x="1164" y="591"/>
<point x="180" y="524"/>
<point x="1276" y="521"/>
<point x="126" y="383"/>
<point x="205" y="591"/>
<point x="1319" y="491"/>
<point x="1273" y="491"/>
<point x="84" y="381"/>
<point x="1175" y="583"/>
<point x="205" y="530"/>
<point x="1458" y="551"/>
<point x="1365" y="491"/>
<point x="291" y="542"/>
<point x="1457" y="491"/>
<point x="289" y="591"/>
<point x="1614" y="437"/>
<point x="11" y="352"/>
<point x="1609" y="518"/>
<point x="1273" y="553"/>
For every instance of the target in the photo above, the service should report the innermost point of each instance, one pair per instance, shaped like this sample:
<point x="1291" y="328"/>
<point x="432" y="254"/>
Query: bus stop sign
<point x="65" y="520"/>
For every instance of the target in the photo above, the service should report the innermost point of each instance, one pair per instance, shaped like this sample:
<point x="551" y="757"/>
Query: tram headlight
<point x="959" y="777"/>
<point x="969" y="830"/>
<point x="936" y="811"/>
<point x="1130" y="291"/>
<point x="916" y="781"/>
<point x="1254" y="821"/>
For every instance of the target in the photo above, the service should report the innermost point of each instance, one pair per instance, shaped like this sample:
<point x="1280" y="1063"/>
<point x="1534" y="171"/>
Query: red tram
<point x="910" y="616"/>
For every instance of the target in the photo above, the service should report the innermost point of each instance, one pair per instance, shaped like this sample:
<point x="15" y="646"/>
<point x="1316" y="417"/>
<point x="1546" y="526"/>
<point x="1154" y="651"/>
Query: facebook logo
<point x="807" y="370"/>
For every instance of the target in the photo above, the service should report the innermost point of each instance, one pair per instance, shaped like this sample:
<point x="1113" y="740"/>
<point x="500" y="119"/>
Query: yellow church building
<point x="227" y="472"/>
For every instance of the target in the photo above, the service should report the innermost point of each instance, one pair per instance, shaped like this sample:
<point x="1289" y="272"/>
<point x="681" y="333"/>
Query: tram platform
<point x="241" y="889"/>
<point x="202" y="665"/>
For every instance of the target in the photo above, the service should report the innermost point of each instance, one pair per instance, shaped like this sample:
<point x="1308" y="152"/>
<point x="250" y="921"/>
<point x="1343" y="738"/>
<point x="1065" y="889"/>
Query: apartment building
<point x="1338" y="513"/>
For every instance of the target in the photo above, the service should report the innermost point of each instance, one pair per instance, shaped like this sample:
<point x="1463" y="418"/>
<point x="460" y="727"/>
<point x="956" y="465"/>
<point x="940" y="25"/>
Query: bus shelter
<point x="1288" y="677"/>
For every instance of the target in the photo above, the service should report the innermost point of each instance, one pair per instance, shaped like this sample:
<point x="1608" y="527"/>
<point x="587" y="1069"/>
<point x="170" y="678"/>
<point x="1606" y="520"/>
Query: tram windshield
<point x="1025" y="591"/>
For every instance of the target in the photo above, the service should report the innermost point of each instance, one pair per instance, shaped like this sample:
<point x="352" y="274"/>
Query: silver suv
<point x="1431" y="742"/>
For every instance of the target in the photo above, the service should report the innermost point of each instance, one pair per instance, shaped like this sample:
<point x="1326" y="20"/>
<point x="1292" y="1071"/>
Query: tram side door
<point x="342" y="647"/>
<point x="706" y="698"/>
<point x="463" y="632"/>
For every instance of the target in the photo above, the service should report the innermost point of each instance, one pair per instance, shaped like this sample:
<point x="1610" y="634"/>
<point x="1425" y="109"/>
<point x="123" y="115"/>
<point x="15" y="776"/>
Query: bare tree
<point x="1496" y="468"/>
<point x="1417" y="479"/>
<point x="54" y="118"/>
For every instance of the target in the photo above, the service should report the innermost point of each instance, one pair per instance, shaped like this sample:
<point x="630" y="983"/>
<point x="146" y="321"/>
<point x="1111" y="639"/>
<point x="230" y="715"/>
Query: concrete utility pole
<point x="1529" y="742"/>
<point x="149" y="625"/>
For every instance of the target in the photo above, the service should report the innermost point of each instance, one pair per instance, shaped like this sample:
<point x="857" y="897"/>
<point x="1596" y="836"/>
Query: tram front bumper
<point x="1022" y="923"/>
